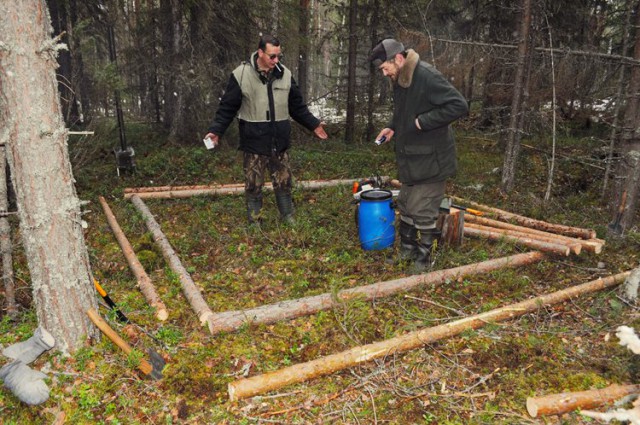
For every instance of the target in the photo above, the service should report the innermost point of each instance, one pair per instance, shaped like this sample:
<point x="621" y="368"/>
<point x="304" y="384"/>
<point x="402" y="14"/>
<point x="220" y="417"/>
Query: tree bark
<point x="515" y="126"/>
<point x="189" y="288"/>
<point x="350" y="126"/>
<point x="290" y="309"/>
<point x="5" y="241"/>
<point x="259" y="384"/>
<point x="557" y="404"/>
<point x="629" y="170"/>
<point x="144" y="281"/>
<point x="48" y="206"/>
<point x="303" y="57"/>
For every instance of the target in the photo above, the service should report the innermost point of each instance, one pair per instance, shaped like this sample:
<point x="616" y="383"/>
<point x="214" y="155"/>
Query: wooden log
<point x="165" y="192"/>
<point x="592" y="245"/>
<point x="557" y="404"/>
<point x="259" y="384"/>
<point x="290" y="309"/>
<point x="189" y="288"/>
<point x="143" y="279"/>
<point x="575" y="232"/>
<point x="531" y="243"/>
<point x="574" y="247"/>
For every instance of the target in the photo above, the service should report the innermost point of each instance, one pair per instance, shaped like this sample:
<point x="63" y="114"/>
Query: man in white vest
<point x="264" y="96"/>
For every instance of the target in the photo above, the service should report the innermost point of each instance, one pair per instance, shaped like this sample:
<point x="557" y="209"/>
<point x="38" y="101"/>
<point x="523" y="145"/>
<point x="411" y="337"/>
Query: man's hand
<point x="386" y="132"/>
<point x="319" y="131"/>
<point x="214" y="138"/>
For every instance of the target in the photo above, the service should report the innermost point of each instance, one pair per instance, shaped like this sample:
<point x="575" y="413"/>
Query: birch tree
<point x="48" y="207"/>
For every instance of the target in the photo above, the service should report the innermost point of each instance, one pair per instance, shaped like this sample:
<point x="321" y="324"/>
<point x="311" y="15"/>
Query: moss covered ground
<point x="481" y="376"/>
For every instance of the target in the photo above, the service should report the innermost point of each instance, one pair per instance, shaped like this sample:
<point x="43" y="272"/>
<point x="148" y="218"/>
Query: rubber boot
<point x="25" y="383"/>
<point x="425" y="248"/>
<point x="254" y="206"/>
<point x="408" y="242"/>
<point x="285" y="206"/>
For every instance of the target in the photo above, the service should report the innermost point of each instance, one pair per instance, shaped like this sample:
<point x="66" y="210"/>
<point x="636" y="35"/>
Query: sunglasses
<point x="273" y="56"/>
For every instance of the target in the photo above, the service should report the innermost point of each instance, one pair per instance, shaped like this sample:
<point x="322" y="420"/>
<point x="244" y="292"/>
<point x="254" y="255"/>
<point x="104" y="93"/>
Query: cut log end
<point x="232" y="392"/>
<point x="162" y="314"/>
<point x="532" y="407"/>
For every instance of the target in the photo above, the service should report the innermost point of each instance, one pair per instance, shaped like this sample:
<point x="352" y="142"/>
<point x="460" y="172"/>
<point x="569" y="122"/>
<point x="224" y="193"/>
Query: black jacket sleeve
<point x="299" y="110"/>
<point x="229" y="106"/>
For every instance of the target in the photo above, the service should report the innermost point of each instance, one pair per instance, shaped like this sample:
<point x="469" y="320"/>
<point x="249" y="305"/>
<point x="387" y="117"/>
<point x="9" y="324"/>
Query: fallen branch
<point x="290" y="309"/>
<point x="189" y="288"/>
<point x="576" y="232"/>
<point x="166" y="192"/>
<point x="531" y="243"/>
<point x="557" y="404"/>
<point x="144" y="281"/>
<point x="248" y="387"/>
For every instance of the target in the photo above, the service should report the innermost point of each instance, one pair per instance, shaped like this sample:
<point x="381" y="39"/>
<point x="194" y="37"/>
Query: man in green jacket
<point x="425" y="104"/>
<point x="264" y="96"/>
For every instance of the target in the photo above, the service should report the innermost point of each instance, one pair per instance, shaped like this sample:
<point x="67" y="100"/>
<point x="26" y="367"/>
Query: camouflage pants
<point x="255" y="165"/>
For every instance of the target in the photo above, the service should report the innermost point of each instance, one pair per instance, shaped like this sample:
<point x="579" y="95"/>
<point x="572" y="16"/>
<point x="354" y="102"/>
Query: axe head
<point x="158" y="364"/>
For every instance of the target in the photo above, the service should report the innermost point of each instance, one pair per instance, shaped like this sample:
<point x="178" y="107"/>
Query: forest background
<point x="557" y="79"/>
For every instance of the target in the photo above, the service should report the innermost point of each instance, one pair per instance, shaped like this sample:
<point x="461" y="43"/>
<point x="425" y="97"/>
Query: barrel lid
<point x="376" y="195"/>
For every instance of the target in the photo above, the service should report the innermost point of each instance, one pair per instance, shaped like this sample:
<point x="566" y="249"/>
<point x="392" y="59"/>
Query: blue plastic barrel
<point x="376" y="219"/>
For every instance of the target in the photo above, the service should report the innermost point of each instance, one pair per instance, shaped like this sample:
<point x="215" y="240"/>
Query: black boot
<point x="408" y="242"/>
<point x="284" y="202"/>
<point x="254" y="206"/>
<point x="425" y="248"/>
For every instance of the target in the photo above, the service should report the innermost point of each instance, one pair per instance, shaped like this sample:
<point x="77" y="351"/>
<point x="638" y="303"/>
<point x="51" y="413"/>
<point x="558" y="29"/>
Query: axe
<point x="152" y="368"/>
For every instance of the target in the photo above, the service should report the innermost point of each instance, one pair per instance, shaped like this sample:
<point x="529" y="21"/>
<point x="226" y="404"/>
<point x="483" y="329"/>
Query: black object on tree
<point x="124" y="154"/>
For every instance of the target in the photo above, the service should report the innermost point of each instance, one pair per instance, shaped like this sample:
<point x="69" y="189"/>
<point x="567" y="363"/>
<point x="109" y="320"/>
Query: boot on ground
<point x="29" y="350"/>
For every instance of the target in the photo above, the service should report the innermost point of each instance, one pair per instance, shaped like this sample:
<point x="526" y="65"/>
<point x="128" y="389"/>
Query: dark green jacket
<point x="425" y="155"/>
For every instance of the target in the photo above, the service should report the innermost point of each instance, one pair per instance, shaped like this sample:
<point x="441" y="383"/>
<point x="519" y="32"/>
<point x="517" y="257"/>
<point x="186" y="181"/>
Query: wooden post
<point x="144" y="281"/>
<point x="259" y="384"/>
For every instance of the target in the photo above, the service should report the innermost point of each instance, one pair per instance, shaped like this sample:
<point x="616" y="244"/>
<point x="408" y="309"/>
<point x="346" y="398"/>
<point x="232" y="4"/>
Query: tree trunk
<point x="5" y="241"/>
<point x="619" y="100"/>
<point x="629" y="169"/>
<point x="48" y="206"/>
<point x="350" y="126"/>
<point x="372" y="82"/>
<point x="515" y="126"/>
<point x="303" y="57"/>
<point x="259" y="384"/>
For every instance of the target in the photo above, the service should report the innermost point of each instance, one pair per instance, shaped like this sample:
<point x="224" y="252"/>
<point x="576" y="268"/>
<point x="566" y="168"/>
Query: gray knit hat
<point x="386" y="50"/>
